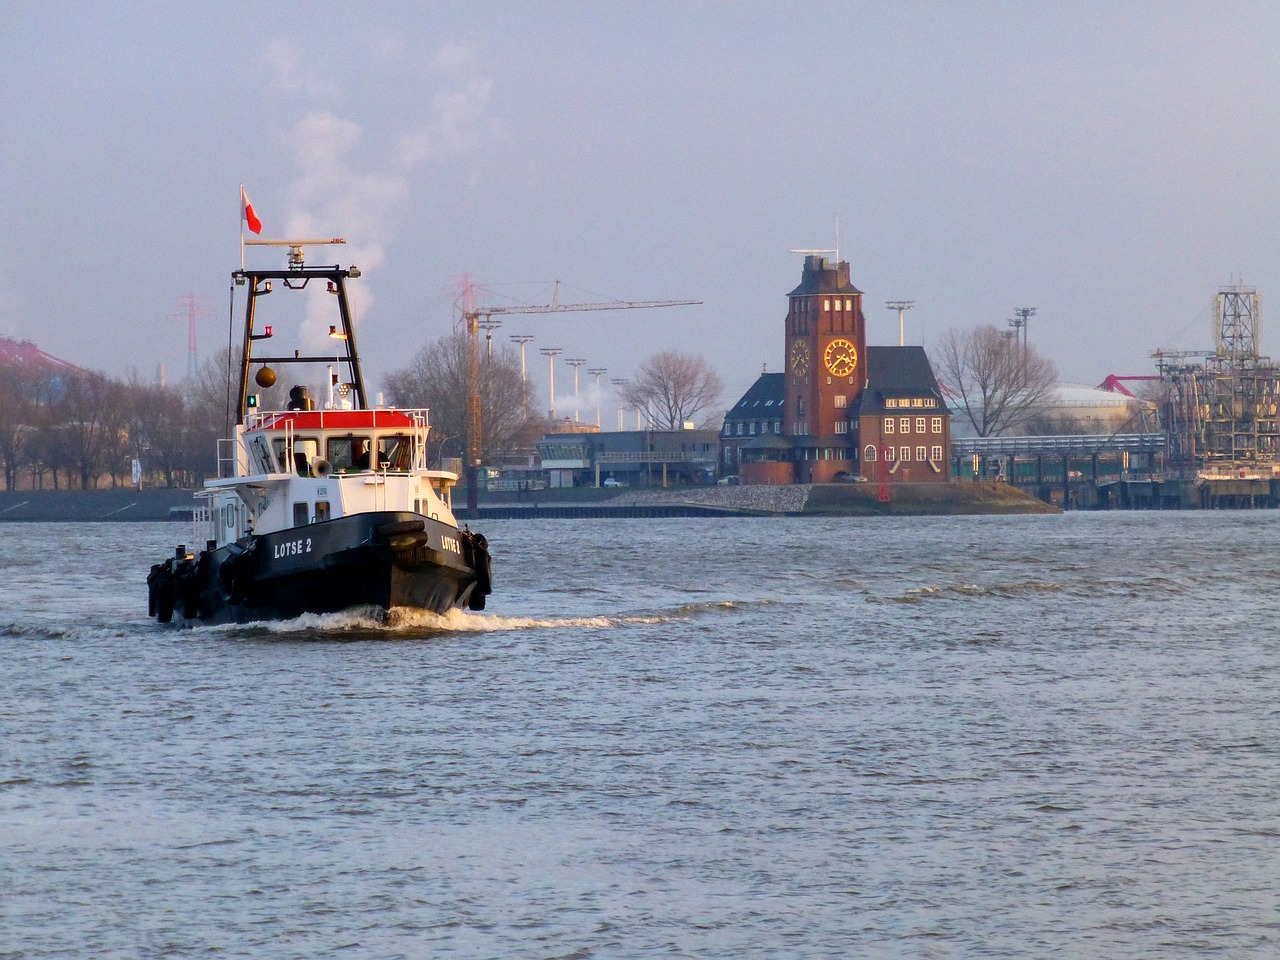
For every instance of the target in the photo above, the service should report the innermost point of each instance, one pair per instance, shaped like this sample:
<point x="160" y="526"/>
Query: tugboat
<point x="320" y="510"/>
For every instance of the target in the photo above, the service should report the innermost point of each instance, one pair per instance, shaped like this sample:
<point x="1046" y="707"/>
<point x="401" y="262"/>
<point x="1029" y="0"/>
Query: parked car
<point x="613" y="482"/>
<point x="729" y="481"/>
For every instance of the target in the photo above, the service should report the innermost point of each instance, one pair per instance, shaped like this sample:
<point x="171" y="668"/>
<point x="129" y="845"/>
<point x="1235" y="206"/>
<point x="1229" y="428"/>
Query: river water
<point x="935" y="737"/>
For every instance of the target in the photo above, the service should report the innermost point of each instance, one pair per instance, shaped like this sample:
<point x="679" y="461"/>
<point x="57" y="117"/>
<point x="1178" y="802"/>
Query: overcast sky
<point x="1110" y="164"/>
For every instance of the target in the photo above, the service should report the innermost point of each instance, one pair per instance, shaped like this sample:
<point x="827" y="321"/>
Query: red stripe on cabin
<point x="338" y="420"/>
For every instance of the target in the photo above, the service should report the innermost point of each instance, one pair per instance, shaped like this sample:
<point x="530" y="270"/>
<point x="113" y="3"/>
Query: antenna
<point x="191" y="310"/>
<point x="295" y="247"/>
<point x="836" y="251"/>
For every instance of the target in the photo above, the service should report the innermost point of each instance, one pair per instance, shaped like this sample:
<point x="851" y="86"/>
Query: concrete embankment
<point x="818" y="500"/>
<point x="122" y="503"/>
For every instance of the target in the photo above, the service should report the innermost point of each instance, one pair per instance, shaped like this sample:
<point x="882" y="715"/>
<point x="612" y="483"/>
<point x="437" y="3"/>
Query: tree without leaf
<point x="673" y="388"/>
<point x="436" y="378"/>
<point x="997" y="384"/>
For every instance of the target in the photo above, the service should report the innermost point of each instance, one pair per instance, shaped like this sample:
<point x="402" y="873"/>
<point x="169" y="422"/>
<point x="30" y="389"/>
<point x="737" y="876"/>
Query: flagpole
<point x="241" y="226"/>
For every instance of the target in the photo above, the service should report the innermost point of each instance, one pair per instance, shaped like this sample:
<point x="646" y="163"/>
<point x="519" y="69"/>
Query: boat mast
<point x="296" y="277"/>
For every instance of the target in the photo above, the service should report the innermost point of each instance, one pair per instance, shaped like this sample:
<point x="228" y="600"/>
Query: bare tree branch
<point x="673" y="388"/>
<point x="436" y="378"/>
<point x="997" y="384"/>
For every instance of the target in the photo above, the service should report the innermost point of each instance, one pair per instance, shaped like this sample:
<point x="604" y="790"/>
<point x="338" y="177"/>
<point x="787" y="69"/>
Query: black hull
<point x="384" y="560"/>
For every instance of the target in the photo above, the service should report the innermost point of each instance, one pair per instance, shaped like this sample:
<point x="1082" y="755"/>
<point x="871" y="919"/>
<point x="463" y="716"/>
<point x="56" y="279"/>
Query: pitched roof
<point x="897" y="372"/>
<point x="762" y="399"/>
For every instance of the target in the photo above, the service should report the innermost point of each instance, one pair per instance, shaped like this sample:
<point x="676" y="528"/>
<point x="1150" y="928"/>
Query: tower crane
<point x="472" y="318"/>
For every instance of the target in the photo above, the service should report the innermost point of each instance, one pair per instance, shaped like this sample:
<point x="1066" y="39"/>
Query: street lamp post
<point x="522" y="339"/>
<point x="551" y="353"/>
<point x="488" y="325"/>
<point x="596" y="372"/>
<point x="902" y="306"/>
<point x="575" y="362"/>
<point x="620" y="383"/>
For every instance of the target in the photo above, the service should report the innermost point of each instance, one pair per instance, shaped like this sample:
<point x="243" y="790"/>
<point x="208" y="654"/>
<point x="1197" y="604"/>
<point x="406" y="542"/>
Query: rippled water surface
<point x="962" y="737"/>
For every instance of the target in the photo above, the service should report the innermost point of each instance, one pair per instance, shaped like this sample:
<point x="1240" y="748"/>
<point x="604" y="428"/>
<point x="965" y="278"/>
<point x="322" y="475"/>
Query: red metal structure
<point x="1113" y="383"/>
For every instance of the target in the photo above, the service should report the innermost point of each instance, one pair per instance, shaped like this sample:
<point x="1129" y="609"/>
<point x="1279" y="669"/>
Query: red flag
<point x="247" y="214"/>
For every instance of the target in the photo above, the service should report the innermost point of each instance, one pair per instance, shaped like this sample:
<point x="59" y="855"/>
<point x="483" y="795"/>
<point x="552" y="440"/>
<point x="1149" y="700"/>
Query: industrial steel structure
<point x="1221" y="410"/>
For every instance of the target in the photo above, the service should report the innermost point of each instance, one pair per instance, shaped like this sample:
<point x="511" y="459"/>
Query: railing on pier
<point x="1083" y="444"/>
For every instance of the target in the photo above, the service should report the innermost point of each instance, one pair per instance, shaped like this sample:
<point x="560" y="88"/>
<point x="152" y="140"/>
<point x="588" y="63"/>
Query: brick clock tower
<point x="826" y="369"/>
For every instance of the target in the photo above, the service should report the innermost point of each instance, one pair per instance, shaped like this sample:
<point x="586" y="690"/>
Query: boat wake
<point x="372" y="622"/>
<point x="971" y="591"/>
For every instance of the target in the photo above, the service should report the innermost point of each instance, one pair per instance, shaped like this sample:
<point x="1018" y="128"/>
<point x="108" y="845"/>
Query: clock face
<point x="800" y="358"/>
<point x="840" y="357"/>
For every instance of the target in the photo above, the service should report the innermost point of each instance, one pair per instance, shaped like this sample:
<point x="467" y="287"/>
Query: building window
<point x="917" y="402"/>
<point x="888" y="424"/>
<point x="904" y="425"/>
<point x="920" y="454"/>
<point x="842" y="426"/>
<point x="889" y="454"/>
<point x="919" y="424"/>
<point x="937" y="424"/>
<point x="841" y="401"/>
<point x="826" y="304"/>
<point x="751" y="428"/>
<point x="930" y="402"/>
<point x="869" y="454"/>
<point x="905" y="454"/>
<point x="937" y="454"/>
<point x="739" y="429"/>
<point x="777" y="426"/>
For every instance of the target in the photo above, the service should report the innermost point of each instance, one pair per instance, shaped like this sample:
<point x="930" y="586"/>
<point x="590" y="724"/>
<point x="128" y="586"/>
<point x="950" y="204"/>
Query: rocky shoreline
<point x="764" y="499"/>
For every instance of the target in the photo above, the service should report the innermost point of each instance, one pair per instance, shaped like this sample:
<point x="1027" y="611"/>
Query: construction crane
<point x="471" y="316"/>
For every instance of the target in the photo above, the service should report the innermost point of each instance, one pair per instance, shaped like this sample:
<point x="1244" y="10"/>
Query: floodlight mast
<point x="471" y="318"/>
<point x="902" y="306"/>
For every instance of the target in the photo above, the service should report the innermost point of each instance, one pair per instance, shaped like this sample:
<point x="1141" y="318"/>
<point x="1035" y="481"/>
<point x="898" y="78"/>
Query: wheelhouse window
<point x="395" y="453"/>
<point x="349" y="454"/>
<point x="299" y="459"/>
